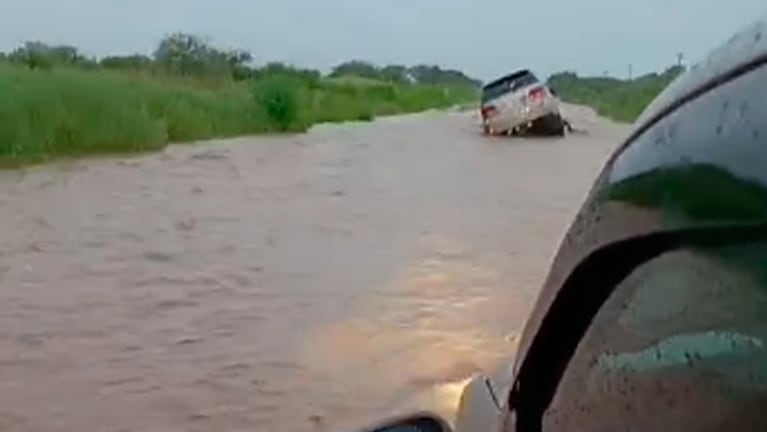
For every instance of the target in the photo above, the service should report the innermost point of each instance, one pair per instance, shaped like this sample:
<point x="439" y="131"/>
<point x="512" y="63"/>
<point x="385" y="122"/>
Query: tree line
<point x="619" y="99"/>
<point x="195" y="56"/>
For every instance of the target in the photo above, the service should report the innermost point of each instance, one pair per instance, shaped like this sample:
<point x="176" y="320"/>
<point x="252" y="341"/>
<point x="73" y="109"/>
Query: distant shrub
<point x="364" y="116"/>
<point x="279" y="97"/>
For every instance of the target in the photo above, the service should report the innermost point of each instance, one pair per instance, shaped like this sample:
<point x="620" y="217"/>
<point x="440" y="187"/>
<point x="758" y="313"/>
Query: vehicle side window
<point x="496" y="90"/>
<point x="681" y="345"/>
<point x="524" y="81"/>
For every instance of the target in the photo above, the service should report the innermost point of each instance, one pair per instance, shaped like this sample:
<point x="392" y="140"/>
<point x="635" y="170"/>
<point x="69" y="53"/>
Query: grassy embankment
<point x="46" y="113"/>
<point x="68" y="112"/>
<point x="617" y="99"/>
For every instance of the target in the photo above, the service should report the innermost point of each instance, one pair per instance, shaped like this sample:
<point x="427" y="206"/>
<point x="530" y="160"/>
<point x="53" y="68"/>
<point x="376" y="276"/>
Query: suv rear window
<point x="507" y="84"/>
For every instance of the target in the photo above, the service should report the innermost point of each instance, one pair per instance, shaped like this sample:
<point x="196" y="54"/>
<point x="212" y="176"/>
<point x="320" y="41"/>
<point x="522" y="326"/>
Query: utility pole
<point x="631" y="72"/>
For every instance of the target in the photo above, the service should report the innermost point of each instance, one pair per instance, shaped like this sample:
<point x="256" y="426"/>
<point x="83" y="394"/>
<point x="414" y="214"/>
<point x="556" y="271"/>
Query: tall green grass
<point x="46" y="114"/>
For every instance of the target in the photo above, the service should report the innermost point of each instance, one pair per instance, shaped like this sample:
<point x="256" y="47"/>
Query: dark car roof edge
<point x="515" y="74"/>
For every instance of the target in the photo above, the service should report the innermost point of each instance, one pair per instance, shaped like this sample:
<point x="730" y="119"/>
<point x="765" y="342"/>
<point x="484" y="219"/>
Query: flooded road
<point x="276" y="284"/>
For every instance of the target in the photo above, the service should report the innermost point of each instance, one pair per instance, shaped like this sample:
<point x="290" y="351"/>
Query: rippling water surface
<point x="288" y="283"/>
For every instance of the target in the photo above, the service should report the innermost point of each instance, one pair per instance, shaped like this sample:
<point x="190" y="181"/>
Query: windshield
<point x="508" y="84"/>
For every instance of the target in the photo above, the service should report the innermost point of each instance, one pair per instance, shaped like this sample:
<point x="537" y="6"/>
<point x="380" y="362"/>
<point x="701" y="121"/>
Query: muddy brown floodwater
<point x="279" y="283"/>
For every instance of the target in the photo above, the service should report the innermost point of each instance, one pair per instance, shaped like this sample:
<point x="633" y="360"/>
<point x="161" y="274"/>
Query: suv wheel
<point x="557" y="125"/>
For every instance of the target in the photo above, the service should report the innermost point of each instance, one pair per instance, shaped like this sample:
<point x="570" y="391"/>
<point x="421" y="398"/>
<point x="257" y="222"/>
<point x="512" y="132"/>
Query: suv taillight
<point x="488" y="111"/>
<point x="537" y="94"/>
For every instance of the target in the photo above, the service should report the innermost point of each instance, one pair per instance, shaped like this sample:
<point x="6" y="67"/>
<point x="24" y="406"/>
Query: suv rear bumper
<point x="510" y="119"/>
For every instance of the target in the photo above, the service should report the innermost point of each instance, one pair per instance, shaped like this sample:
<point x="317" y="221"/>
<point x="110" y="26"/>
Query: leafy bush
<point x="70" y="113"/>
<point x="279" y="97"/>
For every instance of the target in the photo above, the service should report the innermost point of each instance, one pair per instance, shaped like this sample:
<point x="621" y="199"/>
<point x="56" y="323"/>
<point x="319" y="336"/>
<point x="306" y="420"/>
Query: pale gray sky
<point x="482" y="37"/>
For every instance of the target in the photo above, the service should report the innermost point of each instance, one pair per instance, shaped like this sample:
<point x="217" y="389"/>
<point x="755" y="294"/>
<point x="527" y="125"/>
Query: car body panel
<point x="475" y="403"/>
<point x="514" y="108"/>
<point x="484" y="401"/>
<point x="464" y="406"/>
<point x="673" y="172"/>
<point x="440" y="402"/>
<point x="479" y="408"/>
<point x="518" y="112"/>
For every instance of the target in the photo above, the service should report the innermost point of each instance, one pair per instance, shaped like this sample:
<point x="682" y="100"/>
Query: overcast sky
<point x="482" y="37"/>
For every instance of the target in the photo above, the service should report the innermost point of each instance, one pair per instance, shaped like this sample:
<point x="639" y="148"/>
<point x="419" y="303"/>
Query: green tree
<point x="193" y="55"/>
<point x="435" y="75"/>
<point x="620" y="99"/>
<point x="396" y="74"/>
<point x="356" y="68"/>
<point x="39" y="55"/>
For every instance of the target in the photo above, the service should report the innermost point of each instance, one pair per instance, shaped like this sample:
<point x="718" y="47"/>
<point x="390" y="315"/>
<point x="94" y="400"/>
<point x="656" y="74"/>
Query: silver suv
<point x="518" y="103"/>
